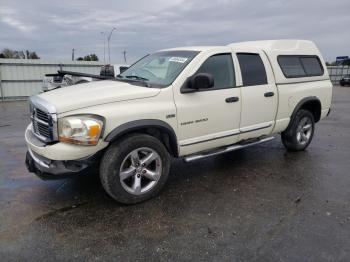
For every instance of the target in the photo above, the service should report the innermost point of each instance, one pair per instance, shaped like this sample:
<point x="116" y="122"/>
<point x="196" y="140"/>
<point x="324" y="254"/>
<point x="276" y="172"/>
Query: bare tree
<point x="14" y="54"/>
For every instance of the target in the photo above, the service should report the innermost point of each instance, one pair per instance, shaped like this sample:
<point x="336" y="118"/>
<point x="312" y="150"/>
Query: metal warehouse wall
<point x="22" y="78"/>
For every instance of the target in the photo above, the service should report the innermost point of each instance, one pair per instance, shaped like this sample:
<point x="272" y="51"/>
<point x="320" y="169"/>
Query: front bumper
<point x="48" y="169"/>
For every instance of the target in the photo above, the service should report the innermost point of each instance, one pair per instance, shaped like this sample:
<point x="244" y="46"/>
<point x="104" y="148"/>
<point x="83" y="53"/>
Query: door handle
<point x="269" y="94"/>
<point x="232" y="99"/>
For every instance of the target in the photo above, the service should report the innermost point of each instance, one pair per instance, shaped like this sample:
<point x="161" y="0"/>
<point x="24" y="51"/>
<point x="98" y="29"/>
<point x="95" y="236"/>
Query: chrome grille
<point x="44" y="122"/>
<point x="42" y="115"/>
<point x="41" y="124"/>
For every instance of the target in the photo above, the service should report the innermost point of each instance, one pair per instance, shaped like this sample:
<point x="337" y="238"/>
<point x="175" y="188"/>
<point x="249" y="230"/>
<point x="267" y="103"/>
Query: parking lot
<point x="258" y="204"/>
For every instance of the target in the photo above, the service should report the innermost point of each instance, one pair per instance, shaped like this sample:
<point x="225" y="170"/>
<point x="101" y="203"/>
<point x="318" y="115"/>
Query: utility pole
<point x="108" y="39"/>
<point x="73" y="54"/>
<point x="124" y="53"/>
<point x="104" y="47"/>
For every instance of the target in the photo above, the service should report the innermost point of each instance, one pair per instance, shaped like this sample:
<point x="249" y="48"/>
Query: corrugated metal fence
<point x="22" y="78"/>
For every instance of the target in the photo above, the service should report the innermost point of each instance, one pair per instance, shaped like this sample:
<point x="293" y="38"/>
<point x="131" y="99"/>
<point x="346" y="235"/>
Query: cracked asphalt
<point x="258" y="204"/>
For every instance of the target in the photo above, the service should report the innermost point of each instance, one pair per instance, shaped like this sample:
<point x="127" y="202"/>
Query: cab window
<point x="252" y="68"/>
<point x="220" y="66"/>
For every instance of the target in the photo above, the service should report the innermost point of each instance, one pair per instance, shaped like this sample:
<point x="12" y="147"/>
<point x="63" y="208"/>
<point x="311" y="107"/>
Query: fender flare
<point x="141" y="124"/>
<point x="301" y="103"/>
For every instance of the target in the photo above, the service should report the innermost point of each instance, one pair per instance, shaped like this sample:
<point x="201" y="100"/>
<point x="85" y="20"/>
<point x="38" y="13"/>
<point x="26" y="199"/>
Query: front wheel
<point x="299" y="134"/>
<point x="135" y="169"/>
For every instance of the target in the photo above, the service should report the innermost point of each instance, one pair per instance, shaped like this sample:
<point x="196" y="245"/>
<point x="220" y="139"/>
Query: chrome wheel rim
<point x="140" y="170"/>
<point x="304" y="130"/>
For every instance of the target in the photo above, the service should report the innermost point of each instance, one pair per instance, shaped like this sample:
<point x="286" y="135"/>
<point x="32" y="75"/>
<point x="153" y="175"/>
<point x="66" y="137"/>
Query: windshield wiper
<point x="140" y="79"/>
<point x="137" y="77"/>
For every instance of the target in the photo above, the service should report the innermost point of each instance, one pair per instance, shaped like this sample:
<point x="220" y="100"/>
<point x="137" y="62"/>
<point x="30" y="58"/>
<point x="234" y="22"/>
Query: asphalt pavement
<point x="258" y="204"/>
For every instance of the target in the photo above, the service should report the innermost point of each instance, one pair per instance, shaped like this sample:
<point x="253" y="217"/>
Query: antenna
<point x="124" y="53"/>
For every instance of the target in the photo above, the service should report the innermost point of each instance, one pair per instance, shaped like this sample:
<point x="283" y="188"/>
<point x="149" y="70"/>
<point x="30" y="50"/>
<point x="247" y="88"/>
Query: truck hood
<point x="95" y="93"/>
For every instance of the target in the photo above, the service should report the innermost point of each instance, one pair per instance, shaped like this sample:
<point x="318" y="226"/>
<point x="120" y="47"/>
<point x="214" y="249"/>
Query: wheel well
<point x="160" y="133"/>
<point x="314" y="106"/>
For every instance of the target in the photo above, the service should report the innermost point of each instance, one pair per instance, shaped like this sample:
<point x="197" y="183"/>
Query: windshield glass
<point x="159" y="69"/>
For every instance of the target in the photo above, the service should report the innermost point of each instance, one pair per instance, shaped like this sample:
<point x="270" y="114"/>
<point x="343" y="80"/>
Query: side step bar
<point x="226" y="149"/>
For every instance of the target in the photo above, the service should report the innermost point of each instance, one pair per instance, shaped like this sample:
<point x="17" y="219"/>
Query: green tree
<point x="91" y="57"/>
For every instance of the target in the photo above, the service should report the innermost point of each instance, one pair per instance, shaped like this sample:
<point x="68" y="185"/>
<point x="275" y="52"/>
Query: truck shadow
<point x="223" y="175"/>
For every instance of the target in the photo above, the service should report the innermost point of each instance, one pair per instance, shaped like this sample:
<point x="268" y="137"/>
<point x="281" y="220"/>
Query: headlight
<point x="80" y="129"/>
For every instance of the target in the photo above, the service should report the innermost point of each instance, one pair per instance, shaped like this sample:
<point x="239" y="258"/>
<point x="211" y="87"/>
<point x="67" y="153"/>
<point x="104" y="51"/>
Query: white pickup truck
<point x="189" y="102"/>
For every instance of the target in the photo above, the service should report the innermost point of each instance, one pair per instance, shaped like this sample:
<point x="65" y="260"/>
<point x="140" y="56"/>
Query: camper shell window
<point x="294" y="66"/>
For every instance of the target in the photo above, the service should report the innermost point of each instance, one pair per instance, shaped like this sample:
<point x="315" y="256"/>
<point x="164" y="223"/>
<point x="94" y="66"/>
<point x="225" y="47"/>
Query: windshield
<point x="159" y="69"/>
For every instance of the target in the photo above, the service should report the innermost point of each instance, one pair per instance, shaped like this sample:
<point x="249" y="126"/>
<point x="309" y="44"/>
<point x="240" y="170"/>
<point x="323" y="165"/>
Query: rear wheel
<point x="299" y="134"/>
<point x="135" y="169"/>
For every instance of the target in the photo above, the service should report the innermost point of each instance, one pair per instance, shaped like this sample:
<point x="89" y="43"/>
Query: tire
<point x="123" y="168"/>
<point x="300" y="132"/>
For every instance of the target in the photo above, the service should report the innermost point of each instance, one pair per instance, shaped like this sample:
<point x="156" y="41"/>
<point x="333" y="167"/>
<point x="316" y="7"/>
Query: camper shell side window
<point x="294" y="66"/>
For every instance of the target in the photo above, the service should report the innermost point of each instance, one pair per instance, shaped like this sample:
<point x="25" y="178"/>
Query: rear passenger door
<point x="259" y="95"/>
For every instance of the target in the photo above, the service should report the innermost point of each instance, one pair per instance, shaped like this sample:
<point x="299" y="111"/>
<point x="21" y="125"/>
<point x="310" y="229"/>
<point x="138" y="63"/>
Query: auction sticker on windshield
<point x="178" y="59"/>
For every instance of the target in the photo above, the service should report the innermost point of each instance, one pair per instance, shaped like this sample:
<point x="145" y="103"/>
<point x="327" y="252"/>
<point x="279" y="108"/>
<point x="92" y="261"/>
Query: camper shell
<point x="276" y="49"/>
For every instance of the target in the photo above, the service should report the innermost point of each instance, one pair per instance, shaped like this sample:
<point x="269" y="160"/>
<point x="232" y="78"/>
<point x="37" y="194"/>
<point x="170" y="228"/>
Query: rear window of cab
<point x="294" y="66"/>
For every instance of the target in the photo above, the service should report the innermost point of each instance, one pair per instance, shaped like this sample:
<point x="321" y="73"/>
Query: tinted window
<point x="253" y="69"/>
<point x="291" y="66"/>
<point x="300" y="66"/>
<point x="221" y="68"/>
<point x="312" y="66"/>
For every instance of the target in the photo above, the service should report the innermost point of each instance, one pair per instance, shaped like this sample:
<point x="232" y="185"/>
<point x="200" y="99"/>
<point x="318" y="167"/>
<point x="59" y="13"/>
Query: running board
<point x="227" y="149"/>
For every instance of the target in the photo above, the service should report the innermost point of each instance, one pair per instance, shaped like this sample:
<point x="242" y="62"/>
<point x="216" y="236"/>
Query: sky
<point x="53" y="28"/>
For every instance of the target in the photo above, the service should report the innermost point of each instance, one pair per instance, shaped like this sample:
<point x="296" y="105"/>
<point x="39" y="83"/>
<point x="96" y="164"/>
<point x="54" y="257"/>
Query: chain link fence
<point x="337" y="72"/>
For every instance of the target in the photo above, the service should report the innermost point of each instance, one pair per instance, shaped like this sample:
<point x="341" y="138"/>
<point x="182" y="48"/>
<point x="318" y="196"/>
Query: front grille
<point x="44" y="124"/>
<point x="42" y="115"/>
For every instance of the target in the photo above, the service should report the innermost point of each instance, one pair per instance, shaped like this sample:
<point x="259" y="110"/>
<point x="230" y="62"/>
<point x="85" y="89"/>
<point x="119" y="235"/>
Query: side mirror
<point x="198" y="82"/>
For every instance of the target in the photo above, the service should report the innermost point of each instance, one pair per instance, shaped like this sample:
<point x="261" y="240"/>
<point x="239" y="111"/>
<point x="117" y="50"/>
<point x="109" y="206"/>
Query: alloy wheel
<point x="140" y="170"/>
<point x="304" y="130"/>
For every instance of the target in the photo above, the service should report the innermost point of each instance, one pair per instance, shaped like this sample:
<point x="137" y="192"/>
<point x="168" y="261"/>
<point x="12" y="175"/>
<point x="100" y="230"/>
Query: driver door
<point x="210" y="118"/>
